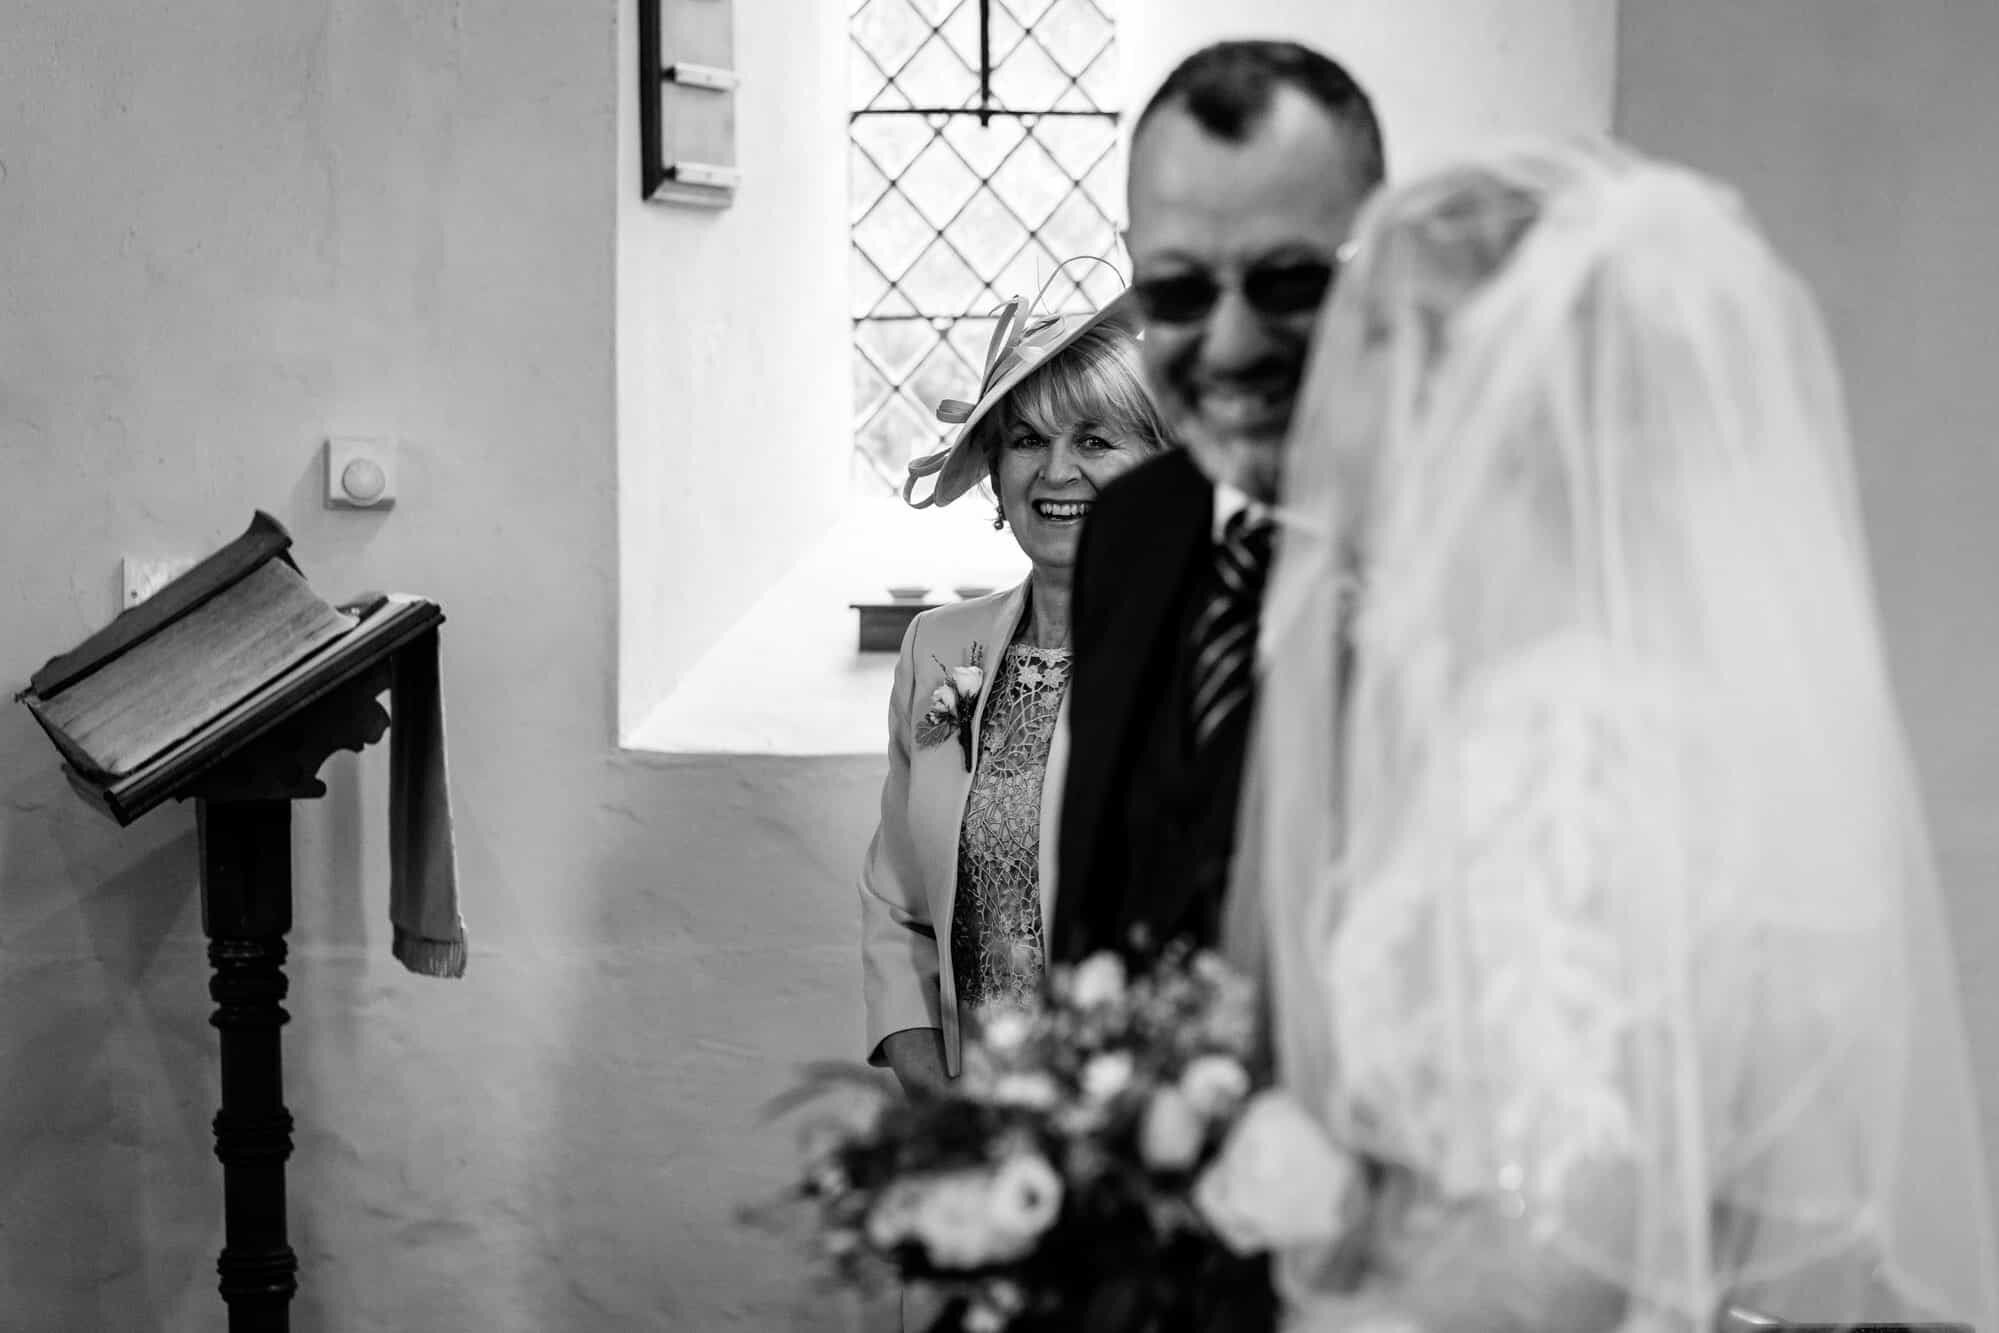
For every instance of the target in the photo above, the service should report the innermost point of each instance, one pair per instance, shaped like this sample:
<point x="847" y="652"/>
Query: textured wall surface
<point x="230" y="231"/>
<point x="1861" y="141"/>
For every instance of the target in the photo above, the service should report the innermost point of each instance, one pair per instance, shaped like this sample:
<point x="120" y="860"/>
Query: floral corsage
<point x="953" y="703"/>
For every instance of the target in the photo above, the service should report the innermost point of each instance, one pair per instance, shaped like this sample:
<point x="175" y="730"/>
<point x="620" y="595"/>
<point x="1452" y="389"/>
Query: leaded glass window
<point x="983" y="146"/>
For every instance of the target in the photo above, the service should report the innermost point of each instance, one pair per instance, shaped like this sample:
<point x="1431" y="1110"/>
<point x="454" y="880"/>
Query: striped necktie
<point x="1224" y="639"/>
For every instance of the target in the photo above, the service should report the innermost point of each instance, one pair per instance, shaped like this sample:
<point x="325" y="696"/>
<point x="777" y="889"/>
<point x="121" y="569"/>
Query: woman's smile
<point x="1062" y="511"/>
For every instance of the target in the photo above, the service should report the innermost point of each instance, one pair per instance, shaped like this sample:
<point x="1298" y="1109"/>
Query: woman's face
<point x="1048" y="474"/>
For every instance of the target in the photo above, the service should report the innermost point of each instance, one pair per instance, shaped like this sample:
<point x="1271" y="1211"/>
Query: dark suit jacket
<point x="1142" y="559"/>
<point x="1145" y="556"/>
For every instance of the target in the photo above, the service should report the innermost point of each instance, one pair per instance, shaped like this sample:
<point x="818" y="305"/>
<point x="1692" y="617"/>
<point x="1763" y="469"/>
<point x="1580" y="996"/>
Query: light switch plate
<point x="140" y="577"/>
<point x="360" y="473"/>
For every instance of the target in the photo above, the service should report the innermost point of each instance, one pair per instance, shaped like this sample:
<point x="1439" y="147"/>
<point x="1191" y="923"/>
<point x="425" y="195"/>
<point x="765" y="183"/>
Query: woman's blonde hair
<point x="1096" y="378"/>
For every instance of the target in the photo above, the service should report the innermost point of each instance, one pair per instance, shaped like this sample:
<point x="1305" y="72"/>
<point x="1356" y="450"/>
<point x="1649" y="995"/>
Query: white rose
<point x="968" y="681"/>
<point x="953" y="1219"/>
<point x="893" y="1216"/>
<point x="1034" y="1090"/>
<point x="1278" y="1182"/>
<point x="1099" y="980"/>
<point x="1106" y="1075"/>
<point x="1214" y="1084"/>
<point x="1026" y="1199"/>
<point x="1169" y="1135"/>
<point x="1006" y="1031"/>
<point x="943" y="700"/>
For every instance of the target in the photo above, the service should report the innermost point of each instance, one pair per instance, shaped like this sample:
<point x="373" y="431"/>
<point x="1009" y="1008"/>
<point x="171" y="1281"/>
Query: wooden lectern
<point x="243" y="769"/>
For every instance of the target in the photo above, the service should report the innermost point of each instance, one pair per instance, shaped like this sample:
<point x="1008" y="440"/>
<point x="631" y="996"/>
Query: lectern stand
<point x="243" y="813"/>
<point x="246" y="908"/>
<point x="243" y="781"/>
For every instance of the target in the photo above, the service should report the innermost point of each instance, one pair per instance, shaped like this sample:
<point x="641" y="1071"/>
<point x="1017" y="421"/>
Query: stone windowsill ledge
<point x="788" y="679"/>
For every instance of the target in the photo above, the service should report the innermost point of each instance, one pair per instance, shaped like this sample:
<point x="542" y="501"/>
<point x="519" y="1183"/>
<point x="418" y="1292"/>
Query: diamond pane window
<point x="981" y="147"/>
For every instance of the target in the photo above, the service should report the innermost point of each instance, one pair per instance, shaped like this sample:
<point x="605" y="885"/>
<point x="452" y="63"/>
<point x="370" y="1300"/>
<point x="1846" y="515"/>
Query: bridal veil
<point x="1598" y="891"/>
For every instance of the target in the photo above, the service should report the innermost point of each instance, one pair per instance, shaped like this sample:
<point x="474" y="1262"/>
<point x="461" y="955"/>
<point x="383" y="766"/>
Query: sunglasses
<point x="1278" y="290"/>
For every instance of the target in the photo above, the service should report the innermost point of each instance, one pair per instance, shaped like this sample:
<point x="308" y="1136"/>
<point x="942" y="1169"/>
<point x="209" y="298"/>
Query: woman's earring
<point x="999" y="517"/>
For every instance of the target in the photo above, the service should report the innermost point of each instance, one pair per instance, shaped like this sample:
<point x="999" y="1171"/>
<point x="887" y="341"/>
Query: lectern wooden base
<point x="246" y="908"/>
<point x="243" y="811"/>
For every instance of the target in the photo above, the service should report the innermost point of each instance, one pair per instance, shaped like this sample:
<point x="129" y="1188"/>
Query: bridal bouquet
<point x="1103" y="1162"/>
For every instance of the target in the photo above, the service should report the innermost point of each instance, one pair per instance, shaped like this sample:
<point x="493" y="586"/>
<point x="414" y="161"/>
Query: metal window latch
<point x="701" y="76"/>
<point x="703" y="174"/>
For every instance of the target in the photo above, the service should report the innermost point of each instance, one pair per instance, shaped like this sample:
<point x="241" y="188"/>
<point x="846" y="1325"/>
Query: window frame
<point x="879" y="384"/>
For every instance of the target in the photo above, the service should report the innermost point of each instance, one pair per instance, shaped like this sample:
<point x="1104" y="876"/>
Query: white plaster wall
<point x="734" y="394"/>
<point x="229" y="230"/>
<point x="1443" y="74"/>
<point x="1861" y="135"/>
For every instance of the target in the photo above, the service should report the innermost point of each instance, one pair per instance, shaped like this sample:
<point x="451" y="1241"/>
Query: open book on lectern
<point x="234" y="645"/>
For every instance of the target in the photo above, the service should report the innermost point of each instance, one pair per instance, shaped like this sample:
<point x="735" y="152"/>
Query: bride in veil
<point x="1601" y="912"/>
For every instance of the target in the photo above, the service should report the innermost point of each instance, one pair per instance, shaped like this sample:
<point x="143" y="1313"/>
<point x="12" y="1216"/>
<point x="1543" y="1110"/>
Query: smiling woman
<point x="954" y="889"/>
<point x="1062" y="436"/>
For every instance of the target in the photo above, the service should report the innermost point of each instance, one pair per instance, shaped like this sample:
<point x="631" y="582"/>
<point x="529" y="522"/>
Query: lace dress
<point x="996" y="945"/>
<point x="1554" y="1027"/>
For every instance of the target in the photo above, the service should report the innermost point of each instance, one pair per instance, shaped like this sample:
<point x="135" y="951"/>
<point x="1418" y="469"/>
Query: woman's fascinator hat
<point x="1022" y="343"/>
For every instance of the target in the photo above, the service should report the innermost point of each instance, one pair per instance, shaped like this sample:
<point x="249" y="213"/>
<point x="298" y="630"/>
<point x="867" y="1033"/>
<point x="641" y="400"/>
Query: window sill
<point x="788" y="679"/>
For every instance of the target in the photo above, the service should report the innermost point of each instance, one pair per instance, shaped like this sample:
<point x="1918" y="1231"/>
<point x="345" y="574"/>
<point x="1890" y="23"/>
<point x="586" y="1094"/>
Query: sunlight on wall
<point x="732" y="365"/>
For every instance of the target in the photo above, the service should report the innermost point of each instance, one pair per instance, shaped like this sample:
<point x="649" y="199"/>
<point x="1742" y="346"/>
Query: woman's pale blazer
<point x="909" y="883"/>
